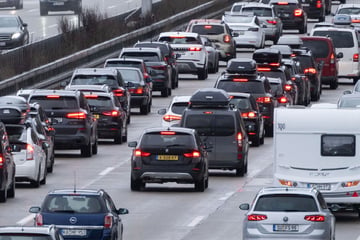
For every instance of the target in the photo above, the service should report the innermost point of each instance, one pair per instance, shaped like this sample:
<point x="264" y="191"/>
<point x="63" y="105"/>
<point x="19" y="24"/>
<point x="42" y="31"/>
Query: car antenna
<point x="74" y="181"/>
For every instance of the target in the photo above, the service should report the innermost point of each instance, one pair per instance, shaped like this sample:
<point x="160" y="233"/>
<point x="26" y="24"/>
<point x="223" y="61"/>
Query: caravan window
<point x="338" y="145"/>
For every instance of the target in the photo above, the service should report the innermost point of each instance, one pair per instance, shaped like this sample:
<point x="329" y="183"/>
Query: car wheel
<point x="207" y="182"/>
<point x="128" y="118"/>
<point x="200" y="185"/>
<point x="202" y="74"/>
<point x="118" y="138"/>
<point x="43" y="181"/>
<point x="322" y="19"/>
<point x="3" y="195"/>
<point x="269" y="131"/>
<point x="52" y="160"/>
<point x="240" y="172"/>
<point x="124" y="137"/>
<point x="262" y="138"/>
<point x="303" y="29"/>
<point x="86" y="151"/>
<point x="144" y="109"/>
<point x="334" y="84"/>
<point x="355" y="80"/>
<point x="36" y="183"/>
<point x="95" y="147"/>
<point x="11" y="190"/>
<point x="256" y="141"/>
<point x="136" y="184"/>
<point x="43" y="10"/>
<point x="165" y="92"/>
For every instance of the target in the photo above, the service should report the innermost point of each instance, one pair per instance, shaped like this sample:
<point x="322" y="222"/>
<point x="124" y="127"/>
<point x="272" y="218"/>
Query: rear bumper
<point x="189" y="66"/>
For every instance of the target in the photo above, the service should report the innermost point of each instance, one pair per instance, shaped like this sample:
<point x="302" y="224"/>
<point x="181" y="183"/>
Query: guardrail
<point x="42" y="77"/>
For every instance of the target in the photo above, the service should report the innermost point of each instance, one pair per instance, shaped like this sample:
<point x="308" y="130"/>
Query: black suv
<point x="60" y="5"/>
<point x="169" y="155"/>
<point x="70" y="115"/>
<point x="316" y="8"/>
<point x="291" y="14"/>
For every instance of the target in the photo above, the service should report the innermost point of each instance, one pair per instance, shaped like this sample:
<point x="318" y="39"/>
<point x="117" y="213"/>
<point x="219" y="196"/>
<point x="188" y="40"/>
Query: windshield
<point x="349" y="11"/>
<point x="55" y="103"/>
<point x="155" y="139"/>
<point x="208" y="29"/>
<point x="8" y="22"/>
<point x="320" y="49"/>
<point x="237" y="19"/>
<point x="211" y="125"/>
<point x="73" y="204"/>
<point x="130" y="75"/>
<point x="180" y="40"/>
<point x="341" y="39"/>
<point x="146" y="56"/>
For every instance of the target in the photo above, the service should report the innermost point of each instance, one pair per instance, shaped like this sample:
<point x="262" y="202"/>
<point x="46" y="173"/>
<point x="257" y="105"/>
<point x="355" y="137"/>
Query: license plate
<point x="321" y="186"/>
<point x="74" y="232"/>
<point x="167" y="157"/>
<point x="56" y="120"/>
<point x="305" y="4"/>
<point x="285" y="228"/>
<point x="58" y="3"/>
<point x="2" y="43"/>
<point x="97" y="116"/>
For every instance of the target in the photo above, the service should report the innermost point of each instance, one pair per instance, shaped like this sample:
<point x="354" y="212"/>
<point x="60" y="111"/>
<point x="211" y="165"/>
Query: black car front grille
<point x="5" y="37"/>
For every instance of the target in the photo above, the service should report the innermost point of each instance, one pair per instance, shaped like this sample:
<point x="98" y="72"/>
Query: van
<point x="347" y="42"/>
<point x="311" y="149"/>
<point x="323" y="49"/>
<point x="220" y="127"/>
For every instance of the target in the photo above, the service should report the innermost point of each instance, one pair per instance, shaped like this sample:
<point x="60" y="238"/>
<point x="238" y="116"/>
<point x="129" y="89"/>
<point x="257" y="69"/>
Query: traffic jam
<point x="241" y="126"/>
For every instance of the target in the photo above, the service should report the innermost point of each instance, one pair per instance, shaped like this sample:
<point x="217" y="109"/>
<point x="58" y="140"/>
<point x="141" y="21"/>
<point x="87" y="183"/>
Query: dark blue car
<point x="81" y="214"/>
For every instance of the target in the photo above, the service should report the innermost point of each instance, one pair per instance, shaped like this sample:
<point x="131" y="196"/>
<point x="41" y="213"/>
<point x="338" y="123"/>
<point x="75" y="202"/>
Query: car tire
<point x="207" y="182"/>
<point x="240" y="172"/>
<point x="144" y="109"/>
<point x="269" y="131"/>
<point x="94" y="148"/>
<point x="322" y="19"/>
<point x="202" y="74"/>
<point x="262" y="139"/>
<point x="3" y="195"/>
<point x="257" y="141"/>
<point x="136" y="184"/>
<point x="118" y="138"/>
<point x="43" y="181"/>
<point x="36" y="183"/>
<point x="11" y="190"/>
<point x="165" y="92"/>
<point x="303" y="29"/>
<point x="200" y="185"/>
<point x="43" y="10"/>
<point x="334" y="84"/>
<point x="50" y="169"/>
<point x="128" y="119"/>
<point x="86" y="151"/>
<point x="125" y="136"/>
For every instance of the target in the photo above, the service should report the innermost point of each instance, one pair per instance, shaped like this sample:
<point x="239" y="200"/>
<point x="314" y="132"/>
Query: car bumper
<point x="248" y="41"/>
<point x="70" y="141"/>
<point x="26" y="171"/>
<point x="189" y="66"/>
<point x="92" y="232"/>
<point x="67" y="6"/>
<point x="137" y="101"/>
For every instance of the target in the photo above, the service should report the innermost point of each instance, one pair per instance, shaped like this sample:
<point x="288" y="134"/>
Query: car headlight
<point x="16" y="35"/>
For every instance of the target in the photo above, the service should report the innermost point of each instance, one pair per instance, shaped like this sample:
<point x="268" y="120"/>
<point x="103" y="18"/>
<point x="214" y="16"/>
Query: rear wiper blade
<point x="175" y="145"/>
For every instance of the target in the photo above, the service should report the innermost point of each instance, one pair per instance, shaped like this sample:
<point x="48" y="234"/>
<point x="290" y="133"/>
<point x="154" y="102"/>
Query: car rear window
<point x="157" y="139"/>
<point x="179" y="107"/>
<point x="349" y="11"/>
<point x="16" y="133"/>
<point x="237" y="19"/>
<point x="130" y="75"/>
<point x="123" y="64"/>
<point x="245" y="87"/>
<point x="180" y="40"/>
<point x="55" y="102"/>
<point x="280" y="10"/>
<point x="341" y="39"/>
<point x="211" y="125"/>
<point x="338" y="145"/>
<point x="146" y="56"/>
<point x="319" y="48"/>
<point x="257" y="11"/>
<point x="99" y="102"/>
<point x="208" y="29"/>
<point x="241" y="103"/>
<point x="163" y="48"/>
<point x="305" y="61"/>
<point x="75" y="203"/>
<point x="94" y="80"/>
<point x="24" y="236"/>
<point x="286" y="203"/>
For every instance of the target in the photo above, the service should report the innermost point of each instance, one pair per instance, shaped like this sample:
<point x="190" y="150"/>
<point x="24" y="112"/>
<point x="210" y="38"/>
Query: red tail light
<point x="293" y="78"/>
<point x="208" y="27"/>
<point x="282" y="3"/>
<point x="273" y="22"/>
<point x="76" y="115"/>
<point x="355" y="57"/>
<point x="113" y="113"/>
<point x="29" y="152"/>
<point x="239" y="138"/>
<point x="315" y="218"/>
<point x="138" y="90"/>
<point x="283" y="99"/>
<point x="318" y="4"/>
<point x="91" y="96"/>
<point x="332" y="58"/>
<point x="52" y="96"/>
<point x="298" y="12"/>
<point x="195" y="49"/>
<point x="310" y="70"/>
<point x="257" y="217"/>
<point x="162" y="67"/>
<point x="263" y="100"/>
<point x="248" y="114"/>
<point x="108" y="221"/>
<point x="139" y="153"/>
<point x="39" y="220"/>
<point x="166" y="59"/>
<point x="355" y="20"/>
<point x="193" y="154"/>
<point x="264" y="69"/>
<point x="227" y="38"/>
<point x="287" y="87"/>
<point x="167" y="133"/>
<point x="274" y="64"/>
<point x="208" y="112"/>
<point x="170" y="118"/>
<point x="118" y="92"/>
<point x="1" y="161"/>
<point x="240" y="80"/>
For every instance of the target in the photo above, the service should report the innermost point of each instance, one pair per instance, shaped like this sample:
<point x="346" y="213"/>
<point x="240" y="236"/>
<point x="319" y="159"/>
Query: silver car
<point x="288" y="213"/>
<point x="29" y="233"/>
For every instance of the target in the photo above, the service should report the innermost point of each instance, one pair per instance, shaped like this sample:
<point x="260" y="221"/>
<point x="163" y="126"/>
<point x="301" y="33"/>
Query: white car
<point x="350" y="9"/>
<point x="247" y="30"/>
<point x="192" y="56"/>
<point x="29" y="156"/>
<point x="172" y="115"/>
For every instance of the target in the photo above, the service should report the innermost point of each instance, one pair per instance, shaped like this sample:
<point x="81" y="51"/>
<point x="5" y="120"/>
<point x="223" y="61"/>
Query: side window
<point x="120" y="80"/>
<point x="34" y="137"/>
<point x="109" y="203"/>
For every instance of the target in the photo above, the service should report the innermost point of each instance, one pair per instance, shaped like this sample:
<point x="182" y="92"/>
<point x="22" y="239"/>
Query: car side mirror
<point x="34" y="209"/>
<point x="64" y="84"/>
<point x="347" y="92"/>
<point x="132" y="144"/>
<point x="122" y="211"/>
<point x="244" y="206"/>
<point x="162" y="111"/>
<point x="235" y="34"/>
<point x="340" y="55"/>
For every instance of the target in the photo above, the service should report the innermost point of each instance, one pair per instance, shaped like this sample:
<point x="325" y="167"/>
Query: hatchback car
<point x="288" y="213"/>
<point x="172" y="115"/>
<point x="351" y="9"/>
<point x="18" y="4"/>
<point x="81" y="214"/>
<point x="29" y="233"/>
<point x="13" y="32"/>
<point x="60" y="5"/>
<point x="169" y="155"/>
<point x="316" y="8"/>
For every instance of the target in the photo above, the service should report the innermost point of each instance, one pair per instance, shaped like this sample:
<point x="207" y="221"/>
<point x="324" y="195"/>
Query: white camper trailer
<point x="319" y="147"/>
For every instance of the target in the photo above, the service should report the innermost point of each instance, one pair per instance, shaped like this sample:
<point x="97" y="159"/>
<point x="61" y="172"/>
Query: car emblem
<point x="73" y="220"/>
<point x="52" y="113"/>
<point x="285" y="219"/>
<point x="166" y="150"/>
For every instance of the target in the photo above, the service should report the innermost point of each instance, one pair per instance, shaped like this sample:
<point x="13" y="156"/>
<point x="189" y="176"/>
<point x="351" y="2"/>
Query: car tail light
<point x="256" y="217"/>
<point x="282" y="3"/>
<point x="208" y="112"/>
<point x="193" y="154"/>
<point x="253" y="29"/>
<point x="310" y="70"/>
<point x="208" y="27"/>
<point x="166" y="59"/>
<point x="91" y="96"/>
<point x="160" y="67"/>
<point x="298" y="12"/>
<point x="139" y="153"/>
<point x="318" y="4"/>
<point x="76" y="115"/>
<point x="139" y="90"/>
<point x="167" y="133"/>
<point x="355" y="57"/>
<point x="274" y="64"/>
<point x="264" y="69"/>
<point x="293" y="78"/>
<point x="315" y="218"/>
<point x="271" y="21"/>
<point x="170" y="118"/>
<point x="332" y="58"/>
<point x="118" y="92"/>
<point x="239" y="138"/>
<point x="350" y="184"/>
<point x="39" y="220"/>
<point x="355" y="20"/>
<point x="113" y="113"/>
<point x="195" y="49"/>
<point x="263" y="100"/>
<point x="240" y="80"/>
<point x="283" y="99"/>
<point x="108" y="221"/>
<point x="227" y="38"/>
<point x="248" y="114"/>
<point x="288" y="87"/>
<point x="29" y="152"/>
<point x="52" y="96"/>
<point x="1" y="161"/>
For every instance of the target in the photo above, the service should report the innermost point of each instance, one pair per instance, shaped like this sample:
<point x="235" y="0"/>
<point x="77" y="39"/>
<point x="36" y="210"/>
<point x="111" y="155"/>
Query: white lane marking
<point x="26" y="219"/>
<point x="110" y="7"/>
<point x="33" y="10"/>
<point x="195" y="221"/>
<point x="106" y="171"/>
<point x="226" y="196"/>
<point x="52" y="26"/>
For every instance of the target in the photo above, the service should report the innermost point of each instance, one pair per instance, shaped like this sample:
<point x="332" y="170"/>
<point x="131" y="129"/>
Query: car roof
<point x="121" y="59"/>
<point x="289" y="1"/>
<point x="349" y="5"/>
<point x="44" y="92"/>
<point x="256" y="4"/>
<point x="282" y="190"/>
<point x="175" y="129"/>
<point x="95" y="71"/>
<point x="186" y="34"/>
<point x="140" y="49"/>
<point x="88" y="87"/>
<point x="27" y="229"/>
<point x="181" y="99"/>
<point x="206" y="21"/>
<point x="333" y="29"/>
<point x="75" y="191"/>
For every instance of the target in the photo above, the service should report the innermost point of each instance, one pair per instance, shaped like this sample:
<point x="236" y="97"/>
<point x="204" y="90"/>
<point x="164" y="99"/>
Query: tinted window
<point x="24" y="236"/>
<point x="341" y="39"/>
<point x="16" y="134"/>
<point x="130" y="75"/>
<point x="123" y="64"/>
<point x="246" y="87"/>
<point x="319" y="49"/>
<point x="208" y="29"/>
<point x="281" y="9"/>
<point x="146" y="56"/>
<point x="349" y="11"/>
<point x="163" y="48"/>
<point x="276" y="74"/>
<point x="180" y="40"/>
<point x="211" y="125"/>
<point x="179" y="107"/>
<point x="8" y="22"/>
<point x="55" y="103"/>
<point x="94" y="80"/>
<point x="236" y="8"/>
<point x="257" y="11"/>
<point x="276" y="88"/>
<point x="241" y="103"/>
<point x="305" y="61"/>
<point x="73" y="203"/>
<point x="286" y="202"/>
<point x="100" y="102"/>
<point x="338" y="145"/>
<point x="158" y="140"/>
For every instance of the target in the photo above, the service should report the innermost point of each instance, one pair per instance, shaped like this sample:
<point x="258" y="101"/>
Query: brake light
<point x="91" y="96"/>
<point x="193" y="154"/>
<point x="167" y="133"/>
<point x="264" y="69"/>
<point x="355" y="57"/>
<point x="248" y="114"/>
<point x="355" y="20"/>
<point x="208" y="112"/>
<point x="195" y="49"/>
<point x="256" y="217"/>
<point x="227" y="38"/>
<point x="162" y="67"/>
<point x="177" y="37"/>
<point x="293" y="78"/>
<point x="310" y="70"/>
<point x="283" y="99"/>
<point x="76" y="115"/>
<point x="113" y="113"/>
<point x="318" y="4"/>
<point x="287" y="87"/>
<point x="170" y="118"/>
<point x="29" y="152"/>
<point x="298" y="12"/>
<point x="208" y="27"/>
<point x="166" y="59"/>
<point x="138" y="90"/>
<point x="315" y="218"/>
<point x="1" y="161"/>
<point x="240" y="80"/>
<point x="52" y="96"/>
<point x="253" y="29"/>
<point x="350" y="184"/>
<point x="108" y="221"/>
<point x="239" y="138"/>
<point x="139" y="153"/>
<point x="118" y="92"/>
<point x="273" y="22"/>
<point x="263" y="100"/>
<point x="282" y="3"/>
<point x="39" y="220"/>
<point x="274" y="64"/>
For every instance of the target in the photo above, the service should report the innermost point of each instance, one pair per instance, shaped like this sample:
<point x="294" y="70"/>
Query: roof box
<point x="268" y="56"/>
<point x="210" y="97"/>
<point x="244" y="66"/>
<point x="11" y="115"/>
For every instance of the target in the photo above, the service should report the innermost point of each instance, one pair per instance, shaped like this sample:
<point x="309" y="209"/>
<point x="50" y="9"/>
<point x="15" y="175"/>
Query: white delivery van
<point x="319" y="147"/>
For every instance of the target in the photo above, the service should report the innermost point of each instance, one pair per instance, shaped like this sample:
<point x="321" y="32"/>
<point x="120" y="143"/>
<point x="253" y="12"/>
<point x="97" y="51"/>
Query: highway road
<point x="168" y="211"/>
